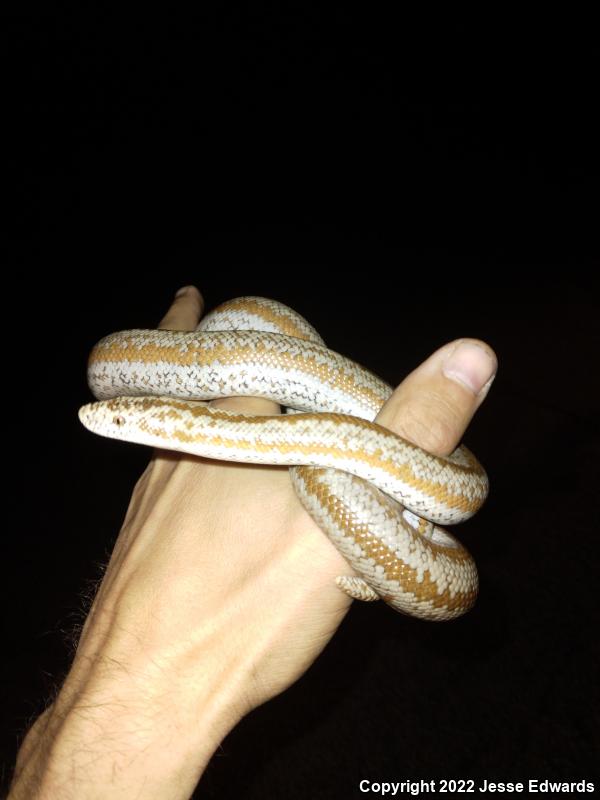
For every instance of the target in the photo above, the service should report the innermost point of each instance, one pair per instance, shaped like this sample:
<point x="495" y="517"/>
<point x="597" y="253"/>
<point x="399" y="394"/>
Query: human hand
<point x="219" y="594"/>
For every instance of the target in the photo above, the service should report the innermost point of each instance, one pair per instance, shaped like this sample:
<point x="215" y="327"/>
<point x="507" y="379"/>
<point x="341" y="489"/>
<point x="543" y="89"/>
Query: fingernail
<point x="183" y="290"/>
<point x="470" y="365"/>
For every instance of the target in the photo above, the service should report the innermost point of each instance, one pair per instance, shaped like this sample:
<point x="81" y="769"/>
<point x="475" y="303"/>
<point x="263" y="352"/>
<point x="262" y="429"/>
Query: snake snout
<point x="98" y="419"/>
<point x="87" y="417"/>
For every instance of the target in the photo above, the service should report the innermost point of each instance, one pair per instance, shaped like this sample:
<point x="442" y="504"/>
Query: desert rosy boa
<point x="377" y="496"/>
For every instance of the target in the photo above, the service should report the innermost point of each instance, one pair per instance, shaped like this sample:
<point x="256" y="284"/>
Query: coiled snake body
<point x="377" y="496"/>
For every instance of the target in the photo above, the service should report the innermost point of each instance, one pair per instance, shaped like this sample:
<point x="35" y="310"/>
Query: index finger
<point x="185" y="311"/>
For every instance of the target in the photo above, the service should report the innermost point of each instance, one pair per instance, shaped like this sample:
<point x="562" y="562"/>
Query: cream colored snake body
<point x="374" y="494"/>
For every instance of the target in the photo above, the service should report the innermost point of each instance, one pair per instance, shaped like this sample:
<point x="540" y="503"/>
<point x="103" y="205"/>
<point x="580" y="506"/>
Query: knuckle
<point x="433" y="423"/>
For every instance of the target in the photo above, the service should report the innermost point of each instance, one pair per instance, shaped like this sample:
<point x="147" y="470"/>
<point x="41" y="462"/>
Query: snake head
<point x="124" y="418"/>
<point x="150" y="420"/>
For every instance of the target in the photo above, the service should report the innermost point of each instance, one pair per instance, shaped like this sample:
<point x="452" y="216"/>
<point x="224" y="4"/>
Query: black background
<point x="400" y="182"/>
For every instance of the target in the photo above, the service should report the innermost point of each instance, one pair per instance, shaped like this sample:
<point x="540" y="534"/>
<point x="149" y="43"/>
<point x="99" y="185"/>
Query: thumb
<point x="433" y="406"/>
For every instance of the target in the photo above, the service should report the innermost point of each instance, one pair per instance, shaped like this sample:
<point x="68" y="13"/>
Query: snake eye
<point x="119" y="420"/>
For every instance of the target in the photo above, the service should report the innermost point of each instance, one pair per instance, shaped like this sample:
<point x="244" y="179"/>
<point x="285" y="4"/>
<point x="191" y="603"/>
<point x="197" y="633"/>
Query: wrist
<point x="106" y="738"/>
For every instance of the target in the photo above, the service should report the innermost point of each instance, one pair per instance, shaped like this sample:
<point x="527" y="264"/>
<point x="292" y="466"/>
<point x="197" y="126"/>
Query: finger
<point x="434" y="404"/>
<point x="258" y="406"/>
<point x="185" y="311"/>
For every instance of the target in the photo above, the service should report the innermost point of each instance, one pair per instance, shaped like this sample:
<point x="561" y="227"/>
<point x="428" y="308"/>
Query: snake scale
<point x="380" y="499"/>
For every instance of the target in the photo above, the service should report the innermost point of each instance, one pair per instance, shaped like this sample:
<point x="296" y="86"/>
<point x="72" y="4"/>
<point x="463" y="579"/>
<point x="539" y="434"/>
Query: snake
<point x="379" y="498"/>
